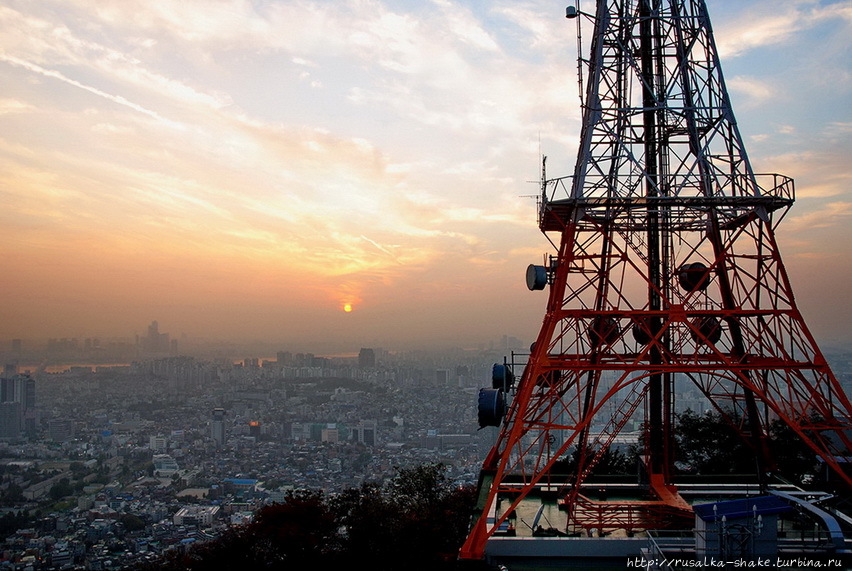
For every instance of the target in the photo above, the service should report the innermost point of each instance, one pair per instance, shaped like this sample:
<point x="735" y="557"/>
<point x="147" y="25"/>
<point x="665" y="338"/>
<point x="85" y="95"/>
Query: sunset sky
<point x="247" y="168"/>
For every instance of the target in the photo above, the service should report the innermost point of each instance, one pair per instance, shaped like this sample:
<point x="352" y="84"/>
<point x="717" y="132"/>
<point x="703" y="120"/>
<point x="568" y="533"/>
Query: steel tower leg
<point x="667" y="269"/>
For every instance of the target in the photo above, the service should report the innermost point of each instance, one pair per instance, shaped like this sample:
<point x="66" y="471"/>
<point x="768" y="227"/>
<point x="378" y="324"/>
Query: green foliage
<point x="793" y="457"/>
<point x="272" y="484"/>
<point x="13" y="494"/>
<point x="417" y="521"/>
<point x="416" y="487"/>
<point x="419" y="516"/>
<point x="12" y="522"/>
<point x="366" y="517"/>
<point x="61" y="489"/>
<point x="298" y="531"/>
<point x="132" y="522"/>
<point x="710" y="444"/>
<point x="78" y="469"/>
<point x="613" y="461"/>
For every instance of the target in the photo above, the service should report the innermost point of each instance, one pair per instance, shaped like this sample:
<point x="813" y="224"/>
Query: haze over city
<point x="351" y="173"/>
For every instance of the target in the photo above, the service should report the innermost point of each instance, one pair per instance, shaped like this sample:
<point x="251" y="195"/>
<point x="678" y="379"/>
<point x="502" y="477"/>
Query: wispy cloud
<point x="374" y="147"/>
<point x="14" y="106"/>
<point x="767" y="23"/>
<point x="828" y="215"/>
<point x="754" y="32"/>
<point x="61" y="77"/>
<point x="756" y="91"/>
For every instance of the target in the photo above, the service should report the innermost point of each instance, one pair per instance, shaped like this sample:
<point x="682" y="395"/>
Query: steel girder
<point x="667" y="267"/>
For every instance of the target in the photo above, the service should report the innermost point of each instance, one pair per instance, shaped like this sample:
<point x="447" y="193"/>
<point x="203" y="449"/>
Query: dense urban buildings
<point x="116" y="463"/>
<point x="140" y="456"/>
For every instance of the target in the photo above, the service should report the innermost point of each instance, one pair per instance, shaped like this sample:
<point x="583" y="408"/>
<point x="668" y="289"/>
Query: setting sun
<point x="347" y="307"/>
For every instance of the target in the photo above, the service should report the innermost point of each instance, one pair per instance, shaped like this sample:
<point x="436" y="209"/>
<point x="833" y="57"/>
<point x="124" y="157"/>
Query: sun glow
<point x="347" y="307"/>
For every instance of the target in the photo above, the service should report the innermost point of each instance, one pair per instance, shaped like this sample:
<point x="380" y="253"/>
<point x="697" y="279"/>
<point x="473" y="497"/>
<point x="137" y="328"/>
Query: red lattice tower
<point x="667" y="267"/>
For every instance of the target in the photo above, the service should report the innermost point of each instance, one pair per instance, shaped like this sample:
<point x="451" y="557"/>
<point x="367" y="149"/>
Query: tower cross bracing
<point x="666" y="268"/>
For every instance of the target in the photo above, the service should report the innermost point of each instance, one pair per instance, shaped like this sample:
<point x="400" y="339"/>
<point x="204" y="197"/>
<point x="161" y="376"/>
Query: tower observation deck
<point x="666" y="269"/>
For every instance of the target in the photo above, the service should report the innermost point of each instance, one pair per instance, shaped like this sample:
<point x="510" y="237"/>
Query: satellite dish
<point x="603" y="331"/>
<point x="536" y="277"/>
<point x="492" y="407"/>
<point x="693" y="276"/>
<point x="710" y="328"/>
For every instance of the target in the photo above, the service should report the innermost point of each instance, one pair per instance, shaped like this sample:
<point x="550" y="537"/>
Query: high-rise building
<point x="254" y="428"/>
<point x="442" y="377"/>
<point x="156" y="342"/>
<point x="159" y="444"/>
<point x="330" y="433"/>
<point x="365" y="432"/>
<point x="10" y="419"/>
<point x="366" y="358"/>
<point x="17" y="406"/>
<point x="164" y="465"/>
<point x="30" y="419"/>
<point x="60" y="429"/>
<point x="217" y="426"/>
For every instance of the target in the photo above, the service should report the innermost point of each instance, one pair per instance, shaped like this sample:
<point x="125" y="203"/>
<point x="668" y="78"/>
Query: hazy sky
<point x="246" y="168"/>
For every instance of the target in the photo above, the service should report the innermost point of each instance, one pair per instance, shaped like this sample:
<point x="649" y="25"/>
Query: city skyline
<point x="249" y="170"/>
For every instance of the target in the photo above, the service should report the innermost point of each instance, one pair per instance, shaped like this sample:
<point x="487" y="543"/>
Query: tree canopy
<point x="418" y="520"/>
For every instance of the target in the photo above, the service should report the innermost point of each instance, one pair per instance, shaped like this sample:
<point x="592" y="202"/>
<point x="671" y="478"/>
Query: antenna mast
<point x="666" y="272"/>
